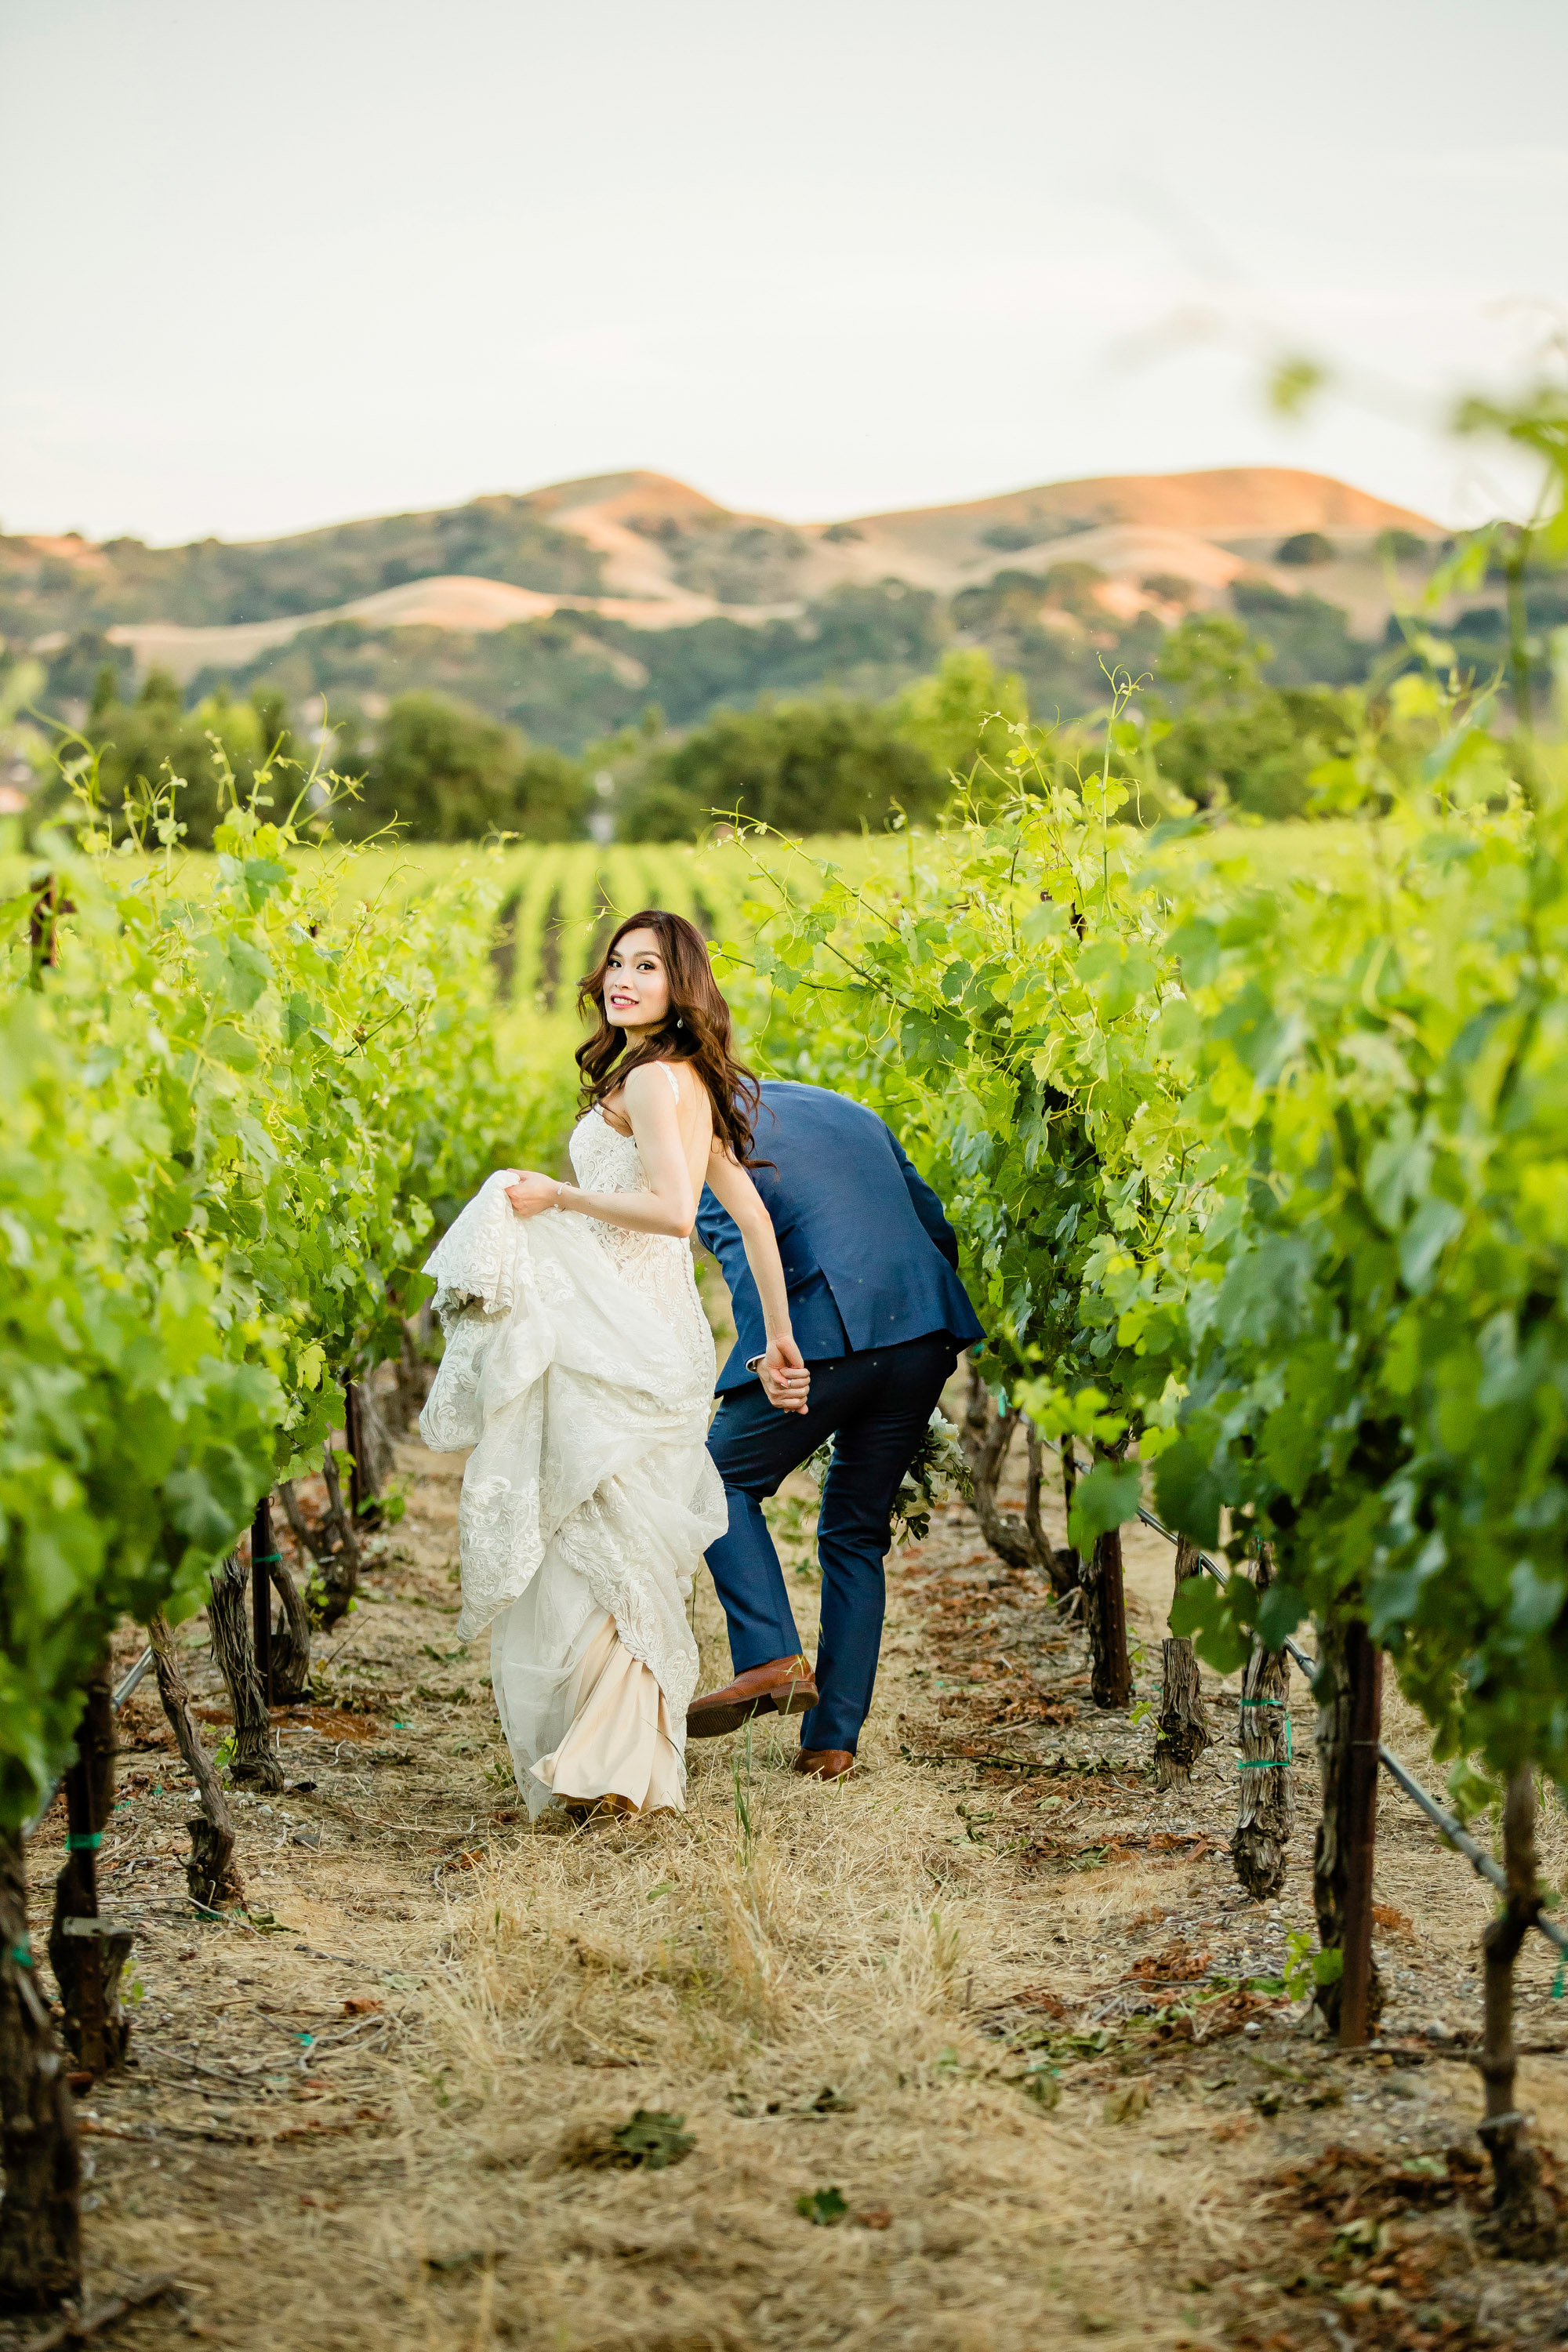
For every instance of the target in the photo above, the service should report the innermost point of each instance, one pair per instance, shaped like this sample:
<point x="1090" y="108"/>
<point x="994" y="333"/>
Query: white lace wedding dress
<point x="580" y="1368"/>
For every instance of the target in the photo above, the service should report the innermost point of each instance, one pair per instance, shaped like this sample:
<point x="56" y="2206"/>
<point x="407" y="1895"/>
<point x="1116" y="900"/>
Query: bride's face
<point x="636" y="985"/>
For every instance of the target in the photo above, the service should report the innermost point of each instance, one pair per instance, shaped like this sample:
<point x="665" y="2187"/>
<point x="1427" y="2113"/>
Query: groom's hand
<point x="785" y="1381"/>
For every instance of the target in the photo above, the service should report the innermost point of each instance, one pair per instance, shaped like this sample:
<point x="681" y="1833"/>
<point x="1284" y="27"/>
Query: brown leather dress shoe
<point x="825" y="1763"/>
<point x="785" y="1687"/>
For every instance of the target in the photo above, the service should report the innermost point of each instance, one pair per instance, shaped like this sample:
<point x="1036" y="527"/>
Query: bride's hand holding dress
<point x="532" y="1194"/>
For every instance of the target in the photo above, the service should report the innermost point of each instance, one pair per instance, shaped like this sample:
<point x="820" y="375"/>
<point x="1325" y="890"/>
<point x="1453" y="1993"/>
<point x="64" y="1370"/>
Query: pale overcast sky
<point x="274" y="266"/>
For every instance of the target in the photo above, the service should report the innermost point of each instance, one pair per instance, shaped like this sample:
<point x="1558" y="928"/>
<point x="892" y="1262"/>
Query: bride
<point x="579" y="1367"/>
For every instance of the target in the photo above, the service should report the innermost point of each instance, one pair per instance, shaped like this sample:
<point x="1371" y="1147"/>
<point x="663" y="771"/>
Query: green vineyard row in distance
<point x="556" y="899"/>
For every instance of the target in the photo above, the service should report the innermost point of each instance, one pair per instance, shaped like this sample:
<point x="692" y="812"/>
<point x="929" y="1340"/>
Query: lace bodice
<point x="658" y="1264"/>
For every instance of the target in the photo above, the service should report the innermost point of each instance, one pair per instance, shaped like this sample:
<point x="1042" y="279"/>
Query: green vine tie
<point x="1268" y="1763"/>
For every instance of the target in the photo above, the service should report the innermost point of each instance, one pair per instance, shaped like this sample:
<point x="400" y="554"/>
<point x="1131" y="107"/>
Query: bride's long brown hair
<point x="696" y="1029"/>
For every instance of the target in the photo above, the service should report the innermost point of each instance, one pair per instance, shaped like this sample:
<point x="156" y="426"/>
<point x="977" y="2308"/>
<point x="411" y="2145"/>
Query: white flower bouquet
<point x="938" y="1474"/>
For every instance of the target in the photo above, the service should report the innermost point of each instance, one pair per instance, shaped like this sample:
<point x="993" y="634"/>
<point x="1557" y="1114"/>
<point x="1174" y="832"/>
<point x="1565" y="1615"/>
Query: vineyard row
<point x="1256" y="1147"/>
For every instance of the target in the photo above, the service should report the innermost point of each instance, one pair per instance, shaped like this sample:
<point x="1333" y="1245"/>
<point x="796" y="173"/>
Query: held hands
<point x="786" y="1384"/>
<point x="533" y="1193"/>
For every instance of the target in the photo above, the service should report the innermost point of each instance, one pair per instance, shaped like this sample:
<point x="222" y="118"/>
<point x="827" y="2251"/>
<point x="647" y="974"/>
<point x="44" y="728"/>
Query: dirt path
<point x="989" y="2016"/>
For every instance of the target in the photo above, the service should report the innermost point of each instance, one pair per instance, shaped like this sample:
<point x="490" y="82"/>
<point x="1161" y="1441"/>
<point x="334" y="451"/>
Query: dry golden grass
<point x="828" y="1984"/>
<point x="798" y="1972"/>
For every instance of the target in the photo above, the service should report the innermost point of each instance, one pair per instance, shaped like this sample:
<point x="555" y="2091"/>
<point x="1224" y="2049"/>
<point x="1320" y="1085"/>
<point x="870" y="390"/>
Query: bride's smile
<point x="636" y="986"/>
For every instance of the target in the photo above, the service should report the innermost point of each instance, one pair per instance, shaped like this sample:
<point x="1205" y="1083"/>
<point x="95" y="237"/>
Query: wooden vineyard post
<point x="1364" y="1676"/>
<point x="1105" y="1594"/>
<point x="1184" y="1731"/>
<point x="86" y="1956"/>
<point x="263" y="1555"/>
<point x="375" y="1438"/>
<point x="1332" y="1691"/>
<point x="1267" y="1810"/>
<point x="76" y="1903"/>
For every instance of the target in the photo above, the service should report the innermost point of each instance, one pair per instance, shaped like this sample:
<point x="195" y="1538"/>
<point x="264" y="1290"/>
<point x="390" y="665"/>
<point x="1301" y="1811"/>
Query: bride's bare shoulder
<point x="673" y="1081"/>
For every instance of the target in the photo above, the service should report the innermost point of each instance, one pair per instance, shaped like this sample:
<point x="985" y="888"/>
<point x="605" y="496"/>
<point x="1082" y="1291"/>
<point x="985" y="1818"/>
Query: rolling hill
<point x="564" y="608"/>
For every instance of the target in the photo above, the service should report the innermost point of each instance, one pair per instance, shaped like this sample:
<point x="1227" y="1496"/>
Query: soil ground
<point x="983" y="2010"/>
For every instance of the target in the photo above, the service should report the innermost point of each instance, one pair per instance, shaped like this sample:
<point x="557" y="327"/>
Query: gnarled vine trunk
<point x="333" y="1547"/>
<point x="412" y="1373"/>
<point x="290" y="1639"/>
<point x="1267" y="1810"/>
<point x="374" y="1409"/>
<point x="1020" y="1539"/>
<point x="1183" y="1725"/>
<point x="985" y="1436"/>
<point x="339" y="1567"/>
<point x="228" y="1615"/>
<point x="1524" y="2224"/>
<point x="1060" y="1562"/>
<point x="211" y="1874"/>
<point x="40" y="2212"/>
<point x="85" y="1953"/>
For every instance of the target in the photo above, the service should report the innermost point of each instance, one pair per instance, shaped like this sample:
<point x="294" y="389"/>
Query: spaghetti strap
<point x="674" y="1081"/>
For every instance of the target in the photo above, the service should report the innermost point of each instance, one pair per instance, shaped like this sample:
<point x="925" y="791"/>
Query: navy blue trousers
<point x="875" y="1404"/>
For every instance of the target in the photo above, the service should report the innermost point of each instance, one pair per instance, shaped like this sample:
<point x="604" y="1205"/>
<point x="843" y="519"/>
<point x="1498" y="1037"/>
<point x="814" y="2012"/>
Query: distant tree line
<point x="1241" y="710"/>
<point x="438" y="769"/>
<point x="444" y="773"/>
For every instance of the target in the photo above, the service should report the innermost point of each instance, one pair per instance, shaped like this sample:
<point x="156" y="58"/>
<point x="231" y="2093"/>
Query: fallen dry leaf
<point x="1178" y="1962"/>
<point x="1042" y="1998"/>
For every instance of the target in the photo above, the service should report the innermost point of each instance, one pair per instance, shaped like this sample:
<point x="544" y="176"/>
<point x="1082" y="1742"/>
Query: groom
<point x="879" y="1316"/>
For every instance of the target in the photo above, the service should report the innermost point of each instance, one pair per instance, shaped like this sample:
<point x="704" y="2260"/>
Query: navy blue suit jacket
<point x="868" y="1257"/>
